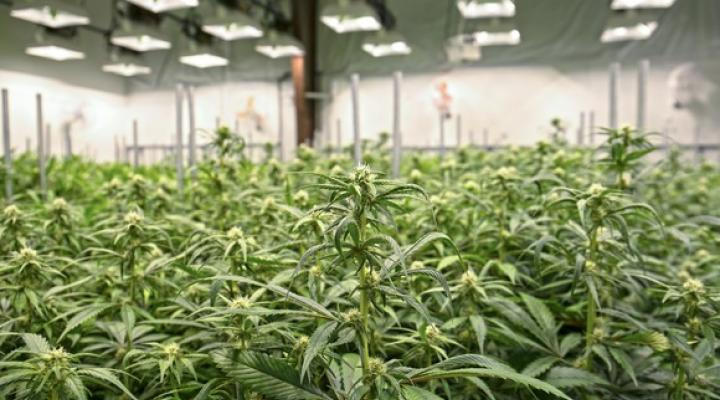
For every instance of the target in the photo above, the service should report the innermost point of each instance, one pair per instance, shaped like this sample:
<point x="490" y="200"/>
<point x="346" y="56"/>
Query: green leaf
<point x="268" y="376"/>
<point x="104" y="374"/>
<point x="567" y="377"/>
<point x="415" y="393"/>
<point x="316" y="344"/>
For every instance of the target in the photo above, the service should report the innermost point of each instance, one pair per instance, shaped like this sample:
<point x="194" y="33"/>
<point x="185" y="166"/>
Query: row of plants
<point x="544" y="272"/>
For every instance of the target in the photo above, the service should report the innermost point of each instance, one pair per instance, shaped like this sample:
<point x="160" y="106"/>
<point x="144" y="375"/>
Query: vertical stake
<point x="41" y="145"/>
<point x="6" y="147"/>
<point x="179" y="172"/>
<point x="357" y="153"/>
<point x="397" y="136"/>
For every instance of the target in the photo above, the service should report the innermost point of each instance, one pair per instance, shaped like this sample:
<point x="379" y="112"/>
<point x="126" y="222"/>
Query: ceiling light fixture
<point x="203" y="59"/>
<point x="50" y="13"/>
<point x="637" y="31"/>
<point x="277" y="45"/>
<point x="160" y="6"/>
<point x="349" y="16"/>
<point x="232" y="26"/>
<point x="626" y="26"/>
<point x="386" y="44"/>
<point x="139" y="39"/>
<point x="486" y="8"/>
<point x="497" y="32"/>
<point x="638" y="4"/>
<point x="126" y="68"/>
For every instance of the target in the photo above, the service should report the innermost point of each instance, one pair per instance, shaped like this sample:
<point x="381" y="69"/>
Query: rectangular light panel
<point x="140" y="43"/>
<point x="159" y="6"/>
<point x="54" y="52"/>
<point x="49" y="17"/>
<point x="487" y="38"/>
<point x="279" y="51"/>
<point x="233" y="31"/>
<point x="126" y="69"/>
<point x="486" y="8"/>
<point x="640" y="31"/>
<point x="634" y="4"/>
<point x="204" y="60"/>
<point x="387" y="49"/>
<point x="343" y="24"/>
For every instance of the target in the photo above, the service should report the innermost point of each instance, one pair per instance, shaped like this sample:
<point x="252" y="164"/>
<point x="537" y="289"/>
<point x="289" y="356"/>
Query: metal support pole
<point x="136" y="144"/>
<point x="6" y="146"/>
<point x="338" y="132"/>
<point x="397" y="136"/>
<point x="179" y="172"/>
<point x="581" y="130"/>
<point x="48" y="141"/>
<point x="643" y="70"/>
<point x="41" y="145"/>
<point x="190" y="93"/>
<point x="281" y="121"/>
<point x="357" y="145"/>
<point x="592" y="128"/>
<point x="458" y="133"/>
<point x="68" y="140"/>
<point x="442" y="135"/>
<point x="613" y="96"/>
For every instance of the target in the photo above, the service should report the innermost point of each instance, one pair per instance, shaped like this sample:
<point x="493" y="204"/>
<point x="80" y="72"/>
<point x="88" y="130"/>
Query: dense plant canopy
<point x="548" y="272"/>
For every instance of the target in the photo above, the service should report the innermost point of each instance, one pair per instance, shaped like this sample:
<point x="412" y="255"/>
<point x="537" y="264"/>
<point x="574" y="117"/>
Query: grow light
<point x="232" y="31"/>
<point x="51" y="14"/>
<point x="279" y="46"/>
<point x="486" y="8"/>
<point x="126" y="69"/>
<point x="500" y="38"/>
<point x="350" y="17"/>
<point x="386" y="44"/>
<point x="54" y="52"/>
<point x="638" y="31"/>
<point x="139" y="41"/>
<point x="635" y="4"/>
<point x="204" y="60"/>
<point x="159" y="6"/>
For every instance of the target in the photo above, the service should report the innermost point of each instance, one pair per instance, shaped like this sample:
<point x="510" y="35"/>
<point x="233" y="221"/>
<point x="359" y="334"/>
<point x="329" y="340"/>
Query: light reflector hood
<point x="50" y="13"/>
<point x="486" y="8"/>
<point x="350" y="17"/>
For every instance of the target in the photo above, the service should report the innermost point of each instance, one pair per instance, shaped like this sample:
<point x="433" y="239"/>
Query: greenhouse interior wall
<point x="486" y="99"/>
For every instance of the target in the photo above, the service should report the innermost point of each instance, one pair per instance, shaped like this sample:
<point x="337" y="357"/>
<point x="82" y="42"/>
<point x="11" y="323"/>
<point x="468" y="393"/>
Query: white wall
<point x="99" y="114"/>
<point x="155" y="112"/>
<point x="514" y="104"/>
<point x="103" y="118"/>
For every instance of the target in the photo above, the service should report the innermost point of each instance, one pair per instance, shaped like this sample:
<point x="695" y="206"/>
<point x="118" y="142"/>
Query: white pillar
<point x="179" y="172"/>
<point x="6" y="146"/>
<point x="281" y="122"/>
<point x="190" y="93"/>
<point x="397" y="135"/>
<point x="41" y="145"/>
<point x="357" y="153"/>
<point x="643" y="70"/>
<point x="613" y="96"/>
<point x="136" y="144"/>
